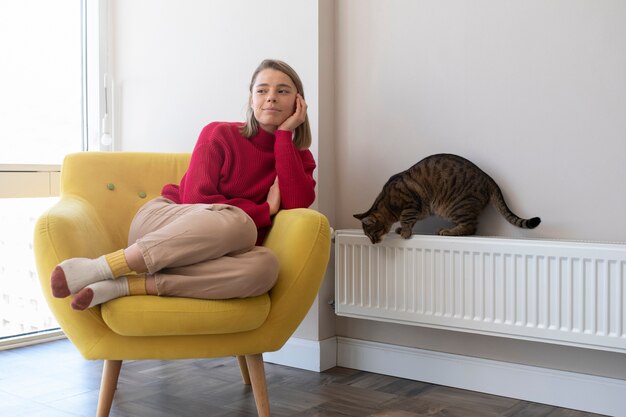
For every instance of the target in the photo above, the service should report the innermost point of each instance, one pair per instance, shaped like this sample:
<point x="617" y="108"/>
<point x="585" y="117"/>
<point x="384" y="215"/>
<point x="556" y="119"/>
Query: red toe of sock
<point x="58" y="283"/>
<point x="82" y="299"/>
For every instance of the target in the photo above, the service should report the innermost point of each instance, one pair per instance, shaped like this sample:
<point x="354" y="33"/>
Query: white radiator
<point x="562" y="292"/>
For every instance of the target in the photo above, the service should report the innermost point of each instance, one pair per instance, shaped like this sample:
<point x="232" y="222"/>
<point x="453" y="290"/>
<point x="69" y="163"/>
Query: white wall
<point x="534" y="92"/>
<point x="179" y="65"/>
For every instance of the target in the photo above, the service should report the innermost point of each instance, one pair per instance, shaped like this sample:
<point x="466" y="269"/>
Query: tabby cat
<point x="445" y="185"/>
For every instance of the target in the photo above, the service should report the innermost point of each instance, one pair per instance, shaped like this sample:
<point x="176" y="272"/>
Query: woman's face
<point x="273" y="98"/>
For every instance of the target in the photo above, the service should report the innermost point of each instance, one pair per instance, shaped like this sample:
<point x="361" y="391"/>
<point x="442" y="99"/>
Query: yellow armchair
<point x="100" y="193"/>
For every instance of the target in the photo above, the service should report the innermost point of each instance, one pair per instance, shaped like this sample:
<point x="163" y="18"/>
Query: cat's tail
<point x="497" y="199"/>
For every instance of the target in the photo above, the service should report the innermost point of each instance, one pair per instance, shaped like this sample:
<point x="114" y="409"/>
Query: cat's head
<point x="373" y="227"/>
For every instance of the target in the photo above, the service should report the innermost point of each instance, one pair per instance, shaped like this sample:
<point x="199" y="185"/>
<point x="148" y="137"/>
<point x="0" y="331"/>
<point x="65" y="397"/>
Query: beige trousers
<point x="202" y="250"/>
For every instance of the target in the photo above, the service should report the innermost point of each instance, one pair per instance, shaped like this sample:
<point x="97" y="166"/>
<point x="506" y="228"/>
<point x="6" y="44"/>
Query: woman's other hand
<point x="298" y="116"/>
<point x="273" y="198"/>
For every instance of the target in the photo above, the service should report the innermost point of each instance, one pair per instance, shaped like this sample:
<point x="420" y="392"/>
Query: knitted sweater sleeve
<point x="294" y="169"/>
<point x="200" y="183"/>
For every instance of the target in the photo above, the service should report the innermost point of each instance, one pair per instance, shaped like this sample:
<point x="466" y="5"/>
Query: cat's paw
<point x="404" y="233"/>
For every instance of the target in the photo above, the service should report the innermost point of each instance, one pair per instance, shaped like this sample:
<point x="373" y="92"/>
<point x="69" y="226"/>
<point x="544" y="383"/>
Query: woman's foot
<point x="72" y="275"/>
<point x="103" y="291"/>
<point x="100" y="292"/>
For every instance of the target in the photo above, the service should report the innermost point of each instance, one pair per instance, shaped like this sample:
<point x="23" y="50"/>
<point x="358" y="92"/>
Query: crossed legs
<point x="195" y="250"/>
<point x="95" y="281"/>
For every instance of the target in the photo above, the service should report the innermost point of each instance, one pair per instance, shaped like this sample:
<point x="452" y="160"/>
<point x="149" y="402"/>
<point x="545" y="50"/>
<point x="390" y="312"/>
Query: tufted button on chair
<point x="100" y="193"/>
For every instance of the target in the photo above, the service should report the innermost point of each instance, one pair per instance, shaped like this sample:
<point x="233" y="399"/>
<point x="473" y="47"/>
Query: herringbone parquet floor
<point x="53" y="380"/>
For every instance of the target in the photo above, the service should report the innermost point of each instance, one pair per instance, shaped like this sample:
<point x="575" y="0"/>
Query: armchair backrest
<point x="117" y="184"/>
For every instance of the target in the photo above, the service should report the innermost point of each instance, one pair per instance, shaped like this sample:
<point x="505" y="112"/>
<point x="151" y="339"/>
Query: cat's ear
<point x="369" y="221"/>
<point x="360" y="216"/>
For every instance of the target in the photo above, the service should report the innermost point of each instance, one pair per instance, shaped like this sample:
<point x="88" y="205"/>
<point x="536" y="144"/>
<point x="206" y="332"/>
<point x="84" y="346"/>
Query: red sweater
<point x="228" y="168"/>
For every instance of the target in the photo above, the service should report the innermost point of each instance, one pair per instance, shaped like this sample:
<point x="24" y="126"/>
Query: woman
<point x="199" y="238"/>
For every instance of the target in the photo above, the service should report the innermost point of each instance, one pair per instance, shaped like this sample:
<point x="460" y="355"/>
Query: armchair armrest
<point x="70" y="228"/>
<point x="300" y="238"/>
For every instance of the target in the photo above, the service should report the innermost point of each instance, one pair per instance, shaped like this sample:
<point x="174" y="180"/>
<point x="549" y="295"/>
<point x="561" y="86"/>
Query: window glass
<point x="23" y="308"/>
<point x="40" y="80"/>
<point x="41" y="120"/>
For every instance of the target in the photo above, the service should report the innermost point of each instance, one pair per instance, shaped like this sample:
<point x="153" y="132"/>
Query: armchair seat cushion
<point x="168" y="316"/>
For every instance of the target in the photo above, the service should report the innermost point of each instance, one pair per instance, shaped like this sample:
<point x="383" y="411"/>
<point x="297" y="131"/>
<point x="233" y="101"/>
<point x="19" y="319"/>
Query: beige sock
<point x="72" y="275"/>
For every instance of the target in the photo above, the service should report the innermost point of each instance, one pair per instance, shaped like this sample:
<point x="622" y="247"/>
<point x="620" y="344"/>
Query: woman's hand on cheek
<point x="298" y="116"/>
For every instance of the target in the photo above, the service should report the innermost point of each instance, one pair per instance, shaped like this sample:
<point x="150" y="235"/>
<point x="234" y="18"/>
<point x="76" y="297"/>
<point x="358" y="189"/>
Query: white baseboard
<point x="312" y="355"/>
<point x="541" y="385"/>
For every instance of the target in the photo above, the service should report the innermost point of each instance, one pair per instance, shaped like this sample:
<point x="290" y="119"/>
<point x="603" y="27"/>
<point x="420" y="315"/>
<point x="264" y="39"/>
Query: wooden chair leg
<point x="243" y="367"/>
<point x="110" y="375"/>
<point x="259" y="385"/>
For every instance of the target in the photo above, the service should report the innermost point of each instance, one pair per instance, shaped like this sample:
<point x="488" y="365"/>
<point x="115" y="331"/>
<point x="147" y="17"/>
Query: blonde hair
<point x="302" y="134"/>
